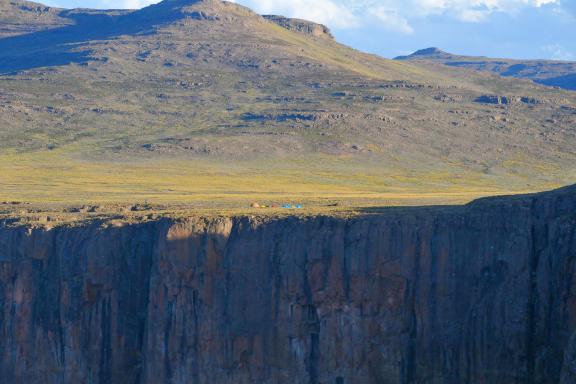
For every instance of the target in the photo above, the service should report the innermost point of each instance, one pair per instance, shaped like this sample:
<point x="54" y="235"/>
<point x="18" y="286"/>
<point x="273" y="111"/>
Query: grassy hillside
<point x="209" y="103"/>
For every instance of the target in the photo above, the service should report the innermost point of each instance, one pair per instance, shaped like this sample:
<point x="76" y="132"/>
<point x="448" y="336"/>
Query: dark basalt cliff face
<point x="478" y="294"/>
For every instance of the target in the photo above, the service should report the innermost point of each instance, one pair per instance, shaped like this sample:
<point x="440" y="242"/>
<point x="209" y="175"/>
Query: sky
<point x="522" y="29"/>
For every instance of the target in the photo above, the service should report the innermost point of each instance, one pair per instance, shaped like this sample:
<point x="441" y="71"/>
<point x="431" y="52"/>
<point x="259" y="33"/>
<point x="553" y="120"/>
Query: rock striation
<point x="507" y="100"/>
<point x="302" y="26"/>
<point x="478" y="294"/>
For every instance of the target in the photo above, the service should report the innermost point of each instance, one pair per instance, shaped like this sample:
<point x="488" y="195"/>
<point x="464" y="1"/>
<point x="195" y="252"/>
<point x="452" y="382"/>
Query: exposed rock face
<point x="303" y="26"/>
<point x="20" y="17"/>
<point x="479" y="294"/>
<point x="507" y="100"/>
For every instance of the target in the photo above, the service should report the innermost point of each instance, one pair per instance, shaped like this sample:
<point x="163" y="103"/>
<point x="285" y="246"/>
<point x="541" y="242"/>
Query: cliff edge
<point x="477" y="294"/>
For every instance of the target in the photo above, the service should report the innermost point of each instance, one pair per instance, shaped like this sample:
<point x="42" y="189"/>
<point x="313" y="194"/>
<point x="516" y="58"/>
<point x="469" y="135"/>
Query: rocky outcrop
<point x="507" y="100"/>
<point x="302" y="26"/>
<point x="477" y="294"/>
<point x="19" y="17"/>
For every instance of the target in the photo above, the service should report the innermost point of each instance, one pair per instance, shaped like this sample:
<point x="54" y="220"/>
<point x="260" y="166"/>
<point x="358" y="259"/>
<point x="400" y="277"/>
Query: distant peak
<point x="428" y="53"/>
<point x="170" y="10"/>
<point x="204" y="5"/>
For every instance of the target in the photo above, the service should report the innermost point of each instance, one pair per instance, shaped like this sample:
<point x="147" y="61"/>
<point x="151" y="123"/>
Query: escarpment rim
<point x="18" y="214"/>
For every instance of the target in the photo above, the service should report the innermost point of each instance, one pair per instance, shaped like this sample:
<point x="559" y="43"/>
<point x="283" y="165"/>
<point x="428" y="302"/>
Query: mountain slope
<point x="20" y="17"/>
<point x="552" y="73"/>
<point x="207" y="101"/>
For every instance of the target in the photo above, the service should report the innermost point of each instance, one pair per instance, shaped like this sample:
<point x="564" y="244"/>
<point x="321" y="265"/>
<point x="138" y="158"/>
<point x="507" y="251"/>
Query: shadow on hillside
<point x="566" y="82"/>
<point x="562" y="194"/>
<point x="64" y="45"/>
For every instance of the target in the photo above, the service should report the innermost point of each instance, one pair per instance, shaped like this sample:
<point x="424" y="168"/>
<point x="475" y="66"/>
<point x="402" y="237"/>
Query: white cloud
<point x="333" y="13"/>
<point x="558" y="52"/>
<point x="127" y="4"/>
<point x="464" y="10"/>
<point x="394" y="15"/>
<point x="391" y="20"/>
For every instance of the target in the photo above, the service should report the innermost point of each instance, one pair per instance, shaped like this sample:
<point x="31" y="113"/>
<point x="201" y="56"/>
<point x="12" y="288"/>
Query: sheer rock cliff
<point x="483" y="293"/>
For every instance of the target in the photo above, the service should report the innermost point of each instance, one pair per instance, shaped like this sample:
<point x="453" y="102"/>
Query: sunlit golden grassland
<point x="60" y="178"/>
<point x="216" y="114"/>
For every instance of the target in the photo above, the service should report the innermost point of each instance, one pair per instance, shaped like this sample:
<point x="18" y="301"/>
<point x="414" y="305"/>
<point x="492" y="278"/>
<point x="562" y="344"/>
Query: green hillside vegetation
<point x="208" y="103"/>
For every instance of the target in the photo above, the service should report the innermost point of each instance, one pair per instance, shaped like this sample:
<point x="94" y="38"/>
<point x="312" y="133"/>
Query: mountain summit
<point x="426" y="53"/>
<point x="22" y="17"/>
<point x="548" y="72"/>
<point x="196" y="98"/>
